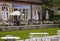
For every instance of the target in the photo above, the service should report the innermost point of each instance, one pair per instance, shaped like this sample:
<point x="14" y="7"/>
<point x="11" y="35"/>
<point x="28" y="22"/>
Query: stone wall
<point x="27" y="27"/>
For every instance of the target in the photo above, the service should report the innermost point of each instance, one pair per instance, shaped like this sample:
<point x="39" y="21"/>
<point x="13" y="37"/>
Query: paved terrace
<point x="48" y="38"/>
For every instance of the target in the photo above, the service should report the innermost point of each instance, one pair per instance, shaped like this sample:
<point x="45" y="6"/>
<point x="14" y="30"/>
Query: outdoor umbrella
<point x="47" y="15"/>
<point x="15" y="13"/>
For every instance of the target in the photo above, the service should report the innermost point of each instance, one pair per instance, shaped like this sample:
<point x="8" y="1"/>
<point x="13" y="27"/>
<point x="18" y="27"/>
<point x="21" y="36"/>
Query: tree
<point x="57" y="2"/>
<point x="50" y="3"/>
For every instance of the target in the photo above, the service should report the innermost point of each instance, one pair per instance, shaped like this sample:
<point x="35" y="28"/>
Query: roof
<point x="31" y="1"/>
<point x="35" y="1"/>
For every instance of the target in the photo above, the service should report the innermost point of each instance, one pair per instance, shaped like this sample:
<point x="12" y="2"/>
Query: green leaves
<point x="57" y="2"/>
<point x="50" y="3"/>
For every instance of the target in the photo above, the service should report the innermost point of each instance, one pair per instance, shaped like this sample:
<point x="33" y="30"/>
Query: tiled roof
<point x="37" y="1"/>
<point x="34" y="1"/>
<point x="31" y="1"/>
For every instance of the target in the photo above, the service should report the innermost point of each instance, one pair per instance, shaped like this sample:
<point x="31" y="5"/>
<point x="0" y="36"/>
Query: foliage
<point x="50" y="3"/>
<point x="57" y="22"/>
<point x="58" y="8"/>
<point x="57" y="2"/>
<point x="56" y="16"/>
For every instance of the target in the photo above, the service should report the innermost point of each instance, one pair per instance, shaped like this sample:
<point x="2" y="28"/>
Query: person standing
<point x="17" y="23"/>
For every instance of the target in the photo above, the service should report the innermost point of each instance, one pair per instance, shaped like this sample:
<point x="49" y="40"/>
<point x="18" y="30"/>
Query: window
<point x="4" y="8"/>
<point x="20" y="10"/>
<point x="25" y="12"/>
<point x="15" y="9"/>
<point x="5" y="12"/>
<point x="16" y="17"/>
<point x="7" y="15"/>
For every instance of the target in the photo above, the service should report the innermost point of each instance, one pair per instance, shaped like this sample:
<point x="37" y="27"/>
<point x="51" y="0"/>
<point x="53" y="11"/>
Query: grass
<point x="25" y="33"/>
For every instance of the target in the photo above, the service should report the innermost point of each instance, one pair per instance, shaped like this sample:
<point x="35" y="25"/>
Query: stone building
<point x="31" y="9"/>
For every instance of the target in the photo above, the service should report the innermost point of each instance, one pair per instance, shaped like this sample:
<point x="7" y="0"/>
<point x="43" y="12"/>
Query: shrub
<point x="57" y="22"/>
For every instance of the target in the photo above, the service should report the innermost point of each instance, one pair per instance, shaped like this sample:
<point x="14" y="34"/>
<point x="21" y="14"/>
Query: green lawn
<point x="25" y="33"/>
